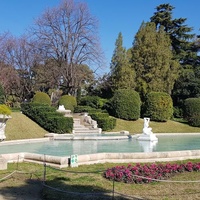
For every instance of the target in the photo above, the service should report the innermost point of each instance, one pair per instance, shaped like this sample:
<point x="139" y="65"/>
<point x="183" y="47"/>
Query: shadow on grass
<point x="58" y="190"/>
<point x="29" y="189"/>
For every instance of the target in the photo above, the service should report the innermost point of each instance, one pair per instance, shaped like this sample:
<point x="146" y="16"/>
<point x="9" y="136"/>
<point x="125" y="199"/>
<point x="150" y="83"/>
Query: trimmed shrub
<point x="68" y="101"/>
<point x="80" y="109"/>
<point x="92" y="101"/>
<point x="98" y="115"/>
<point x="41" y="98"/>
<point x="158" y="106"/>
<point x="4" y="110"/>
<point x="106" y="123"/>
<point x="192" y="111"/>
<point x="125" y="104"/>
<point x="48" y="118"/>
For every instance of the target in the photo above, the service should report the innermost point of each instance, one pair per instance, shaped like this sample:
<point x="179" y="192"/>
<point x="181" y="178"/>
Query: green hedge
<point x="158" y="106"/>
<point x="48" y="118"/>
<point x="107" y="123"/>
<point x="92" y="101"/>
<point x="125" y="104"/>
<point x="68" y="101"/>
<point x="192" y="111"/>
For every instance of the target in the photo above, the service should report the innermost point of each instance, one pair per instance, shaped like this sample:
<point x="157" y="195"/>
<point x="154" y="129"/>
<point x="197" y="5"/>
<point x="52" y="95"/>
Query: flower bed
<point x="148" y="172"/>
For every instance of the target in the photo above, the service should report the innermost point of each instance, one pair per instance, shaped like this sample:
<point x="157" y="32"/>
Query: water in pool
<point x="80" y="147"/>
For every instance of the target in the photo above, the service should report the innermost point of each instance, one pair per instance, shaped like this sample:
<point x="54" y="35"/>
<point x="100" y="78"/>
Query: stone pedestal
<point x="3" y="163"/>
<point x="3" y="119"/>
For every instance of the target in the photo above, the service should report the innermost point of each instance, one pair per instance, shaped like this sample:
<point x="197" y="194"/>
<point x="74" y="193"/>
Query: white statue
<point x="147" y="130"/>
<point x="147" y="134"/>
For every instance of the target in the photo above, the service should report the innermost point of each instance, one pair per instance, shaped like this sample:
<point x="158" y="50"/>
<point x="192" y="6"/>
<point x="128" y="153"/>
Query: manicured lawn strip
<point x="94" y="182"/>
<point x="157" y="127"/>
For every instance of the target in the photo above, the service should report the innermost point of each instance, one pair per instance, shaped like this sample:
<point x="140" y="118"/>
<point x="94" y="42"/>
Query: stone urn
<point x="4" y="116"/>
<point x="3" y="120"/>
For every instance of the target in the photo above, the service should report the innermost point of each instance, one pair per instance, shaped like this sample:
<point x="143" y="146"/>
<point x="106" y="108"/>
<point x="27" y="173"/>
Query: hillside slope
<point x="21" y="127"/>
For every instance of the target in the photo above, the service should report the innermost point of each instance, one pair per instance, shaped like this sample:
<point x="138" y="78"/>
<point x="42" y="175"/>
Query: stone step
<point x="86" y="131"/>
<point x="80" y="128"/>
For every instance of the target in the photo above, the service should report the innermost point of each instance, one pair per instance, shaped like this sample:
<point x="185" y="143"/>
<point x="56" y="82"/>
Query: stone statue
<point x="147" y="134"/>
<point x="147" y="130"/>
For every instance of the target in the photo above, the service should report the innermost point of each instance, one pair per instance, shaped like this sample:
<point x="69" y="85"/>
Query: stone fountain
<point x="147" y="134"/>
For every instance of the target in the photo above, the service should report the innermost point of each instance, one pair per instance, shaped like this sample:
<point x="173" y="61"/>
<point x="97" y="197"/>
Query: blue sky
<point x="114" y="16"/>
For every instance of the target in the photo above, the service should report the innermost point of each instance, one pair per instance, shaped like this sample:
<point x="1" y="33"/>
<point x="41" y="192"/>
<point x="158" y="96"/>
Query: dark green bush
<point x="178" y="112"/>
<point x="192" y="111"/>
<point x="41" y="98"/>
<point x="106" y="123"/>
<point x="125" y="104"/>
<point x="92" y="101"/>
<point x="80" y="109"/>
<point x="48" y="118"/>
<point x="68" y="101"/>
<point x="158" y="106"/>
<point x="98" y="115"/>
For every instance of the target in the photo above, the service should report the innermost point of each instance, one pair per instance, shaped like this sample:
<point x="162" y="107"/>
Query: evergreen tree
<point x="184" y="49"/>
<point x="179" y="32"/>
<point x="152" y="60"/>
<point x="122" y="76"/>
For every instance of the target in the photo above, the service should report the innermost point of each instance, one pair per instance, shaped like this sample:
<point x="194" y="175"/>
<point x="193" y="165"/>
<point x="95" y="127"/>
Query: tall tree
<point x="152" y="59"/>
<point x="178" y="31"/>
<point x="68" y="35"/>
<point x="122" y="75"/>
<point x="183" y="49"/>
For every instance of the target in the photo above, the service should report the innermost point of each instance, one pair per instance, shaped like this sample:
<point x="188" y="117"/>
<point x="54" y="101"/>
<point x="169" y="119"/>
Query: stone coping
<point x="61" y="162"/>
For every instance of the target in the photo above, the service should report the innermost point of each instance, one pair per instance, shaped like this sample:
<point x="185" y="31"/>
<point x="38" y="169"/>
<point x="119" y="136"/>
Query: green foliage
<point x="152" y="60"/>
<point x="178" y="112"/>
<point x="184" y="48"/>
<point x="4" y="110"/>
<point x="158" y="106"/>
<point x="92" y="101"/>
<point x="82" y="109"/>
<point x="192" y="111"/>
<point x="48" y="118"/>
<point x="2" y="95"/>
<point x="104" y="121"/>
<point x="41" y="98"/>
<point x="107" y="123"/>
<point x="125" y="104"/>
<point x="122" y="75"/>
<point x="68" y="101"/>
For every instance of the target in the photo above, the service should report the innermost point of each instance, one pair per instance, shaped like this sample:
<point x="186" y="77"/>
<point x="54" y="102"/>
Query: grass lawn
<point x="75" y="180"/>
<point x="157" y="127"/>
<point x="21" y="127"/>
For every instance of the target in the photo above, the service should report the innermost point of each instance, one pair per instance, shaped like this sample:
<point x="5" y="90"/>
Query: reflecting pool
<point x="81" y="147"/>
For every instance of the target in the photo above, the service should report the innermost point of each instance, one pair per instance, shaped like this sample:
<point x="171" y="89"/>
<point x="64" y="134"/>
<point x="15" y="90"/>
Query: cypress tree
<point x="152" y="60"/>
<point x="122" y="76"/>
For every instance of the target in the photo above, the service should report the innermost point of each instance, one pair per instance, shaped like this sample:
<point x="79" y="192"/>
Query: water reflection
<point x="148" y="146"/>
